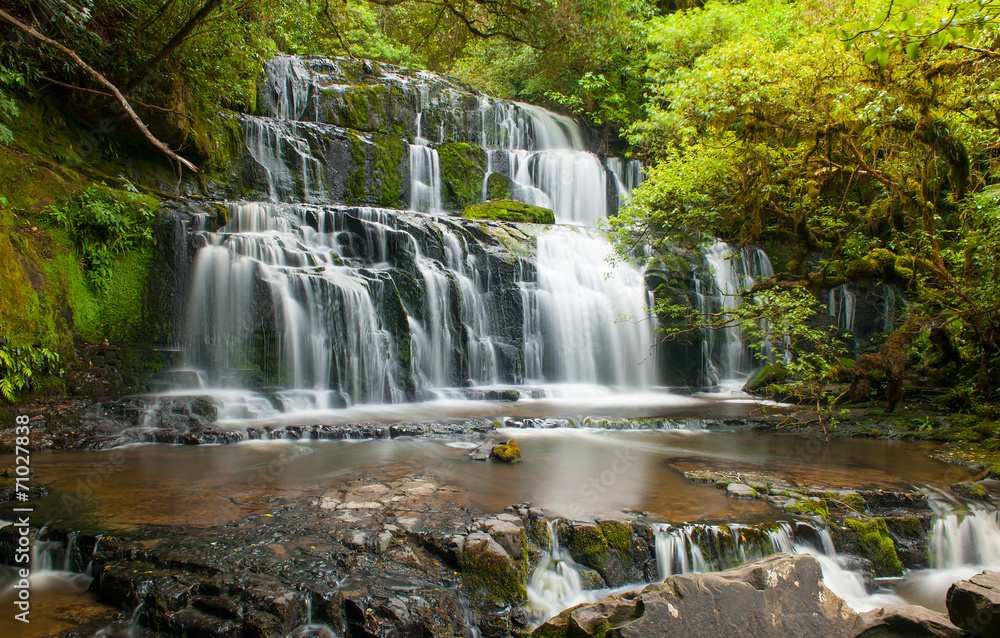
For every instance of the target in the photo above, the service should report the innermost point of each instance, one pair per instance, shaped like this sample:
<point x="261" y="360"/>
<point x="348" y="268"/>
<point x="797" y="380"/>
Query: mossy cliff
<point x="69" y="285"/>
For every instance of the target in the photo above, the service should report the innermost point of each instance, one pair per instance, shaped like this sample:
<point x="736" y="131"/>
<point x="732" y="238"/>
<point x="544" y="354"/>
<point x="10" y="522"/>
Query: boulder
<point x="506" y="452"/>
<point x="905" y="621"/>
<point x="782" y="595"/>
<point x="974" y="604"/>
<point x="510" y="211"/>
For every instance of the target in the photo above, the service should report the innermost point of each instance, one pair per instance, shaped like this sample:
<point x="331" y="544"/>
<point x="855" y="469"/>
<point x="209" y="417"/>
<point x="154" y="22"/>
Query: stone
<point x="904" y="621"/>
<point x="740" y="490"/>
<point x="971" y="490"/>
<point x="974" y="604"/>
<point x="779" y="596"/>
<point x="506" y="452"/>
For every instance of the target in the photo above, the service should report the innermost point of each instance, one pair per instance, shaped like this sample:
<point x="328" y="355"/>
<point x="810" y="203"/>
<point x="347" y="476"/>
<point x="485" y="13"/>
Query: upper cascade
<point x="336" y="130"/>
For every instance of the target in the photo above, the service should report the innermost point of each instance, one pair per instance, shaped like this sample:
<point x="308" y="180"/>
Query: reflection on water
<point x="569" y="472"/>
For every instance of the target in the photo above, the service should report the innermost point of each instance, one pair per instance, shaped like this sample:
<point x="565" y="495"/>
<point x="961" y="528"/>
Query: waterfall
<point x="969" y="539"/>
<point x="733" y="272"/>
<point x="306" y="303"/>
<point x="555" y="583"/>
<point x="544" y="154"/>
<point x="425" y="179"/>
<point x="594" y="314"/>
<point x="682" y="550"/>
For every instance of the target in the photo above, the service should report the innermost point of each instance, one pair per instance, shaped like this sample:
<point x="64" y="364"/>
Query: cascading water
<point x="593" y="314"/>
<point x="727" y="357"/>
<point x="300" y="304"/>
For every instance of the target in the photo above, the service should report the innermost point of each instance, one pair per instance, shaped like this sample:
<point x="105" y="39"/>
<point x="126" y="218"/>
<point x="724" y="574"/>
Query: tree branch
<point x="103" y="81"/>
<point x="174" y="42"/>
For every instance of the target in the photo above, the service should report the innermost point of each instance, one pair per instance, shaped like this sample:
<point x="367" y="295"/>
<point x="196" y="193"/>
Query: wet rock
<point x="871" y="540"/>
<point x="482" y="452"/>
<point x="971" y="490"/>
<point x="775" y="373"/>
<point x="740" y="490"/>
<point x="620" y="551"/>
<point x="974" y="604"/>
<point x="904" y="621"/>
<point x="779" y="596"/>
<point x="490" y="576"/>
<point x="506" y="452"/>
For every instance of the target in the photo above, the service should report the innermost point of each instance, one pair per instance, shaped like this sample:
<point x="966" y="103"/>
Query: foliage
<point x="762" y="129"/>
<point x="8" y="108"/>
<point x="912" y="26"/>
<point x="19" y="364"/>
<point x="104" y="222"/>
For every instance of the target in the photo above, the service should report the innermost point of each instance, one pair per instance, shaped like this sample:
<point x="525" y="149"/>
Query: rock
<point x="869" y="539"/>
<point x="482" y="452"/>
<point x="506" y="452"/>
<point x="974" y="604"/>
<point x="904" y="621"/>
<point x="510" y="211"/>
<point x="779" y="596"/>
<point x="774" y="373"/>
<point x="971" y="490"/>
<point x="490" y="576"/>
<point x="740" y="490"/>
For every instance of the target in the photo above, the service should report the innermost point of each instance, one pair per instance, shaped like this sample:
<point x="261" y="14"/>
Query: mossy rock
<point x="510" y="211"/>
<point x="970" y="490"/>
<point x="870" y="539"/>
<point x="490" y="577"/>
<point x="810" y="507"/>
<point x="775" y="373"/>
<point x="860" y="270"/>
<point x="499" y="187"/>
<point x="506" y="452"/>
<point x="463" y="167"/>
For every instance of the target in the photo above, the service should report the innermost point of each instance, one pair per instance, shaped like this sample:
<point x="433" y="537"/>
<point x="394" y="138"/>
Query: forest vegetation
<point x="855" y="140"/>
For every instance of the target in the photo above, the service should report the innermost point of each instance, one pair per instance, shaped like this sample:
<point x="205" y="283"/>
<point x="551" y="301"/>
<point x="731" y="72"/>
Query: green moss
<point x="463" y="168"/>
<point x="355" y="189"/>
<point x="854" y="502"/>
<point x="510" y="211"/>
<point x="506" y="452"/>
<point x="860" y="270"/>
<point x="904" y="527"/>
<point x="619" y="536"/>
<point x="391" y="151"/>
<point x="873" y="543"/>
<point x="810" y="507"/>
<point x="589" y="546"/>
<point x="491" y="580"/>
<point x="774" y="373"/>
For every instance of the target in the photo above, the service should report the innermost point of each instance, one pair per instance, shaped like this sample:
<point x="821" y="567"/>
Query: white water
<point x="727" y="355"/>
<point x="594" y="314"/>
<point x="962" y="544"/>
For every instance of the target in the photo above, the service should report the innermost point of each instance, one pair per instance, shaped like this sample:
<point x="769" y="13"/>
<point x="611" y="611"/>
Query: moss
<point x="510" y="211"/>
<point x="463" y="168"/>
<point x="810" y="507"/>
<point x="768" y="375"/>
<point x="904" y="527"/>
<point x="589" y="546"/>
<point x="874" y="543"/>
<point x="619" y="536"/>
<point x="391" y="151"/>
<point x="506" y="452"/>
<point x="860" y="270"/>
<point x="854" y="501"/>
<point x="355" y="187"/>
<point x="499" y="187"/>
<point x="492" y="580"/>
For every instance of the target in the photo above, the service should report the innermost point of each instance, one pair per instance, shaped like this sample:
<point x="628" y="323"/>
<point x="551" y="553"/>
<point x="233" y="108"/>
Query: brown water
<point x="568" y="472"/>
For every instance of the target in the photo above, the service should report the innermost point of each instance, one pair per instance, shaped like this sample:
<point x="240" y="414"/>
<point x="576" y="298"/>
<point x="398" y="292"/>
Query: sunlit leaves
<point x="913" y="27"/>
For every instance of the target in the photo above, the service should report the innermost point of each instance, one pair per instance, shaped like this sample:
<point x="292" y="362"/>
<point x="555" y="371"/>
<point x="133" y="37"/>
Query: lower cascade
<point x="962" y="544"/>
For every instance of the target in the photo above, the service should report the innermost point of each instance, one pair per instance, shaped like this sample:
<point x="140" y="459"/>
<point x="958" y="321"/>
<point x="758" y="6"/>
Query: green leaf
<point x="913" y="50"/>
